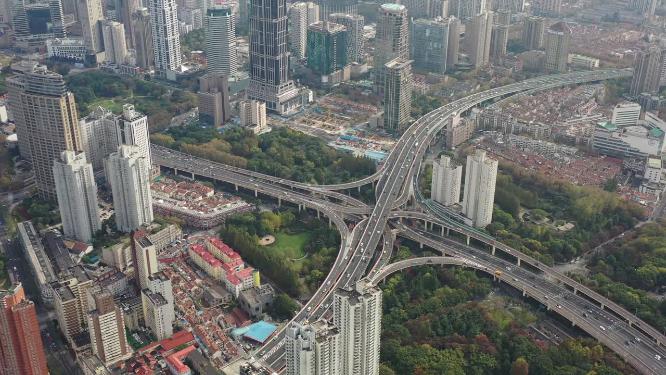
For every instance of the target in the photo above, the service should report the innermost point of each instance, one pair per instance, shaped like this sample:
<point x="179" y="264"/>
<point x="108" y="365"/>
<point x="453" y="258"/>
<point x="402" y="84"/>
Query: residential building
<point x="479" y="194"/>
<point x="70" y="302"/>
<point x="269" y="57"/>
<point x="98" y="136"/>
<point x="459" y="131"/>
<point x="125" y="9"/>
<point x="313" y="349"/>
<point x="430" y="44"/>
<point x="647" y="72"/>
<point x="107" y="331"/>
<point x="301" y="15"/>
<point x="214" y="108"/>
<point x="46" y="120"/>
<point x="327" y="7"/>
<point x="40" y="265"/>
<point x="354" y="25"/>
<point x="142" y="38"/>
<point x="326" y="47"/>
<point x="144" y="258"/>
<point x="499" y="37"/>
<point x="533" y="32"/>
<point x="115" y="47"/>
<point x="514" y="6"/>
<point x="158" y="307"/>
<point x="91" y="15"/>
<point x="653" y="170"/>
<point x="584" y="62"/>
<point x="454" y="43"/>
<point x="478" y="34"/>
<point x="77" y="196"/>
<point x="426" y="8"/>
<point x="397" y="95"/>
<point x="557" y="40"/>
<point x="464" y="9"/>
<point x="626" y="114"/>
<point x="166" y="38"/>
<point x="253" y="115"/>
<point x="220" y="27"/>
<point x="255" y="301"/>
<point x="446" y="180"/>
<point x="21" y="347"/>
<point x="128" y="172"/>
<point x="132" y="130"/>
<point x="67" y="49"/>
<point x="550" y="8"/>
<point x="357" y="314"/>
<point x="391" y="40"/>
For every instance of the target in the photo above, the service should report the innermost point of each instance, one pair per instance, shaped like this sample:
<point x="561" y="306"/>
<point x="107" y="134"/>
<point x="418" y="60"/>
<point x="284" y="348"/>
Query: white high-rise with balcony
<point x="77" y="195"/>
<point x="132" y="130"/>
<point x="313" y="349"/>
<point x="479" y="196"/>
<point x="301" y="15"/>
<point x="166" y="37"/>
<point x="446" y="179"/>
<point x="158" y="307"/>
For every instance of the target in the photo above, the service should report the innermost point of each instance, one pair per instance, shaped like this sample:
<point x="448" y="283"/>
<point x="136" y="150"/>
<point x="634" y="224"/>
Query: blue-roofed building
<point x="260" y="331"/>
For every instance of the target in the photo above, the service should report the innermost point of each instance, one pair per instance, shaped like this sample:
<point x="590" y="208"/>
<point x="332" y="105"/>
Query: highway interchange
<point x="361" y="255"/>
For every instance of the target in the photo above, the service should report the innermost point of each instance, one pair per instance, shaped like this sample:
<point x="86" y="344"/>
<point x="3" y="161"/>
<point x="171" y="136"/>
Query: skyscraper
<point x="454" y="43"/>
<point x="21" y="347"/>
<point x="313" y="349"/>
<point x="128" y="172"/>
<point x="166" y="38"/>
<point x="269" y="57"/>
<point x="326" y="7"/>
<point x="98" y="136"/>
<point x="132" y="130"/>
<point x="214" y="107"/>
<point x="358" y="315"/>
<point x="397" y="95"/>
<point x="647" y="71"/>
<point x="354" y="25"/>
<point x="124" y="11"/>
<point x="77" y="196"/>
<point x="107" y="331"/>
<point x="57" y="19"/>
<point x="551" y="8"/>
<point x="478" y="34"/>
<point x="144" y="257"/>
<point x="220" y="27"/>
<point x="326" y="47"/>
<point x="90" y="16"/>
<point x="46" y="120"/>
<point x="500" y="35"/>
<point x="558" y="38"/>
<point x="479" y="194"/>
<point x="426" y="8"/>
<point x="301" y="15"/>
<point x="430" y="44"/>
<point x="465" y="9"/>
<point x="115" y="46"/>
<point x="391" y="40"/>
<point x="513" y="6"/>
<point x="142" y="38"/>
<point x="253" y="115"/>
<point x="533" y="31"/>
<point x="158" y="308"/>
<point x="446" y="180"/>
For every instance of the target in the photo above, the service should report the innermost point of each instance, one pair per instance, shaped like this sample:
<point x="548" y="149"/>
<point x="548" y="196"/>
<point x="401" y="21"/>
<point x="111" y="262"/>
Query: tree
<point x="283" y="307"/>
<point x="519" y="367"/>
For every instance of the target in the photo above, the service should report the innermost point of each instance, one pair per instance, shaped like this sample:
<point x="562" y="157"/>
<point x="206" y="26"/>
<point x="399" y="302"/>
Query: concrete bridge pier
<point x="300" y="208"/>
<point x="358" y="188"/>
<point x="493" y="250"/>
<point x="420" y="245"/>
<point x="442" y="231"/>
<point x="279" y="202"/>
<point x="236" y="187"/>
<point x="317" y="213"/>
<point x="448" y="231"/>
<point x="524" y="293"/>
<point x="329" y="221"/>
<point x="256" y="194"/>
<point x="518" y="262"/>
<point x="467" y="240"/>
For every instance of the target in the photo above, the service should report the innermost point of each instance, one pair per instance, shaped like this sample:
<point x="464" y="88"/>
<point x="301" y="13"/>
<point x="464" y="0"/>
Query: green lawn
<point x="110" y="104"/>
<point x="291" y="246"/>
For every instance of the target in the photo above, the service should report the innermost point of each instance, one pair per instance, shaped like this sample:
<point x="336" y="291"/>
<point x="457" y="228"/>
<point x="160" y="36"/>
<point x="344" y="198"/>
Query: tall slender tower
<point x="132" y="130"/>
<point x="558" y="38"/>
<point x="115" y="45"/>
<point x="313" y="349"/>
<point x="107" y="331"/>
<point x="166" y="38"/>
<point x="478" y="38"/>
<point x="46" y="120"/>
<point x="91" y="15"/>
<point x="391" y="41"/>
<point x="142" y="38"/>
<point x="269" y="57"/>
<point x="124" y="11"/>
<point x="301" y="15"/>
<point x="326" y="7"/>
<point x="397" y="95"/>
<point x="21" y="347"/>
<point x="647" y="70"/>
<point x="479" y="196"/>
<point x="533" y="31"/>
<point x="465" y="9"/>
<point x="158" y="309"/>
<point x="128" y="171"/>
<point x="77" y="196"/>
<point x="354" y="25"/>
<point x="446" y="178"/>
<point x="220" y="27"/>
<point x="430" y="44"/>
<point x="144" y="258"/>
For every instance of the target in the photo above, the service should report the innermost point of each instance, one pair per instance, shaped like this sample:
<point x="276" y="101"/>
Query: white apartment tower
<point x="626" y="114"/>
<point x="128" y="172"/>
<point x="115" y="47"/>
<point x="301" y="15"/>
<point x="446" y="180"/>
<point x="557" y="40"/>
<point x="158" y="308"/>
<point x="91" y="14"/>
<point x="478" y="34"/>
<point x="132" y="130"/>
<point x="144" y="257"/>
<point x="354" y="25"/>
<point x="358" y="315"/>
<point x="220" y="27"/>
<point x="253" y="115"/>
<point x="166" y="37"/>
<point x="107" y="331"/>
<point x="77" y="196"/>
<point x="479" y="196"/>
<point x="391" y="41"/>
<point x="313" y="349"/>
<point x="98" y="136"/>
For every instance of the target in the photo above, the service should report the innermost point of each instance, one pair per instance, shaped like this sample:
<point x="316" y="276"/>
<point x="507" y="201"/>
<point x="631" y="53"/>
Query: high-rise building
<point x="533" y="32"/>
<point x="551" y="8"/>
<point x="326" y="47"/>
<point x="358" y="316"/>
<point x="214" y="107"/>
<point x="253" y="115"/>
<point x="626" y="114"/>
<point x="465" y="9"/>
<point x="269" y="57"/>
<point x="107" y="331"/>
<point x="558" y="38"/>
<point x="326" y="7"/>
<point x="77" y="196"/>
<point x="479" y="194"/>
<point x="313" y="349"/>
<point x="644" y="7"/>
<point x="391" y="40"/>
<point x="500" y="34"/>
<point x="115" y="47"/>
<point x="647" y="70"/>
<point x="91" y="15"/>
<point x="158" y="308"/>
<point x="478" y="34"/>
<point x="397" y="95"/>
<point x="454" y="43"/>
<point x="70" y="301"/>
<point x="446" y="180"/>
<point x="220" y="27"/>
<point x="21" y="347"/>
<point x="301" y="15"/>
<point x="430" y="44"/>
<point x="166" y="38"/>
<point x="354" y="25"/>
<point x="513" y="6"/>
<point x="128" y="172"/>
<point x="426" y="8"/>
<point x="142" y="38"/>
<point x="124" y="11"/>
<point x="132" y="130"/>
<point x="57" y="19"/>
<point x="144" y="257"/>
<point x="46" y="120"/>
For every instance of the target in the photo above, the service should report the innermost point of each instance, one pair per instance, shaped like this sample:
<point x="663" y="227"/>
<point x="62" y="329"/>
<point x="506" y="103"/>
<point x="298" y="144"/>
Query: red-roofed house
<point x="175" y="361"/>
<point x="221" y="250"/>
<point x="179" y="338"/>
<point x="204" y="259"/>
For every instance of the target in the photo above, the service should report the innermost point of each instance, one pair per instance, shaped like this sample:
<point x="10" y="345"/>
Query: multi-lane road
<point x="362" y="256"/>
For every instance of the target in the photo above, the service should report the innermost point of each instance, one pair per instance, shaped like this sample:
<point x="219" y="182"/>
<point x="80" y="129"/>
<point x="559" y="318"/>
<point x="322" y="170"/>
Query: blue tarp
<point x="260" y="331"/>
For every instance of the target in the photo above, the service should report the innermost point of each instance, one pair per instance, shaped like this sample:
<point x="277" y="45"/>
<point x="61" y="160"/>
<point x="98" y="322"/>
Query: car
<point x="559" y="306"/>
<point x="657" y="357"/>
<point x="602" y="328"/>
